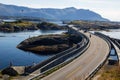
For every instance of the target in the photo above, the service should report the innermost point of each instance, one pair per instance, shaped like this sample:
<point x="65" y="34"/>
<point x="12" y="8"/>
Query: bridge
<point x="83" y="66"/>
<point x="85" y="60"/>
<point x="58" y="59"/>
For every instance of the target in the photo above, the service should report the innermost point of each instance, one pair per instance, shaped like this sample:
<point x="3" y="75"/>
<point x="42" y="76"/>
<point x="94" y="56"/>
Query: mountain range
<point x="69" y="13"/>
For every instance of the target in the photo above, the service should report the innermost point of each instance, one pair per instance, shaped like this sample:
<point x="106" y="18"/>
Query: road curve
<point x="82" y="66"/>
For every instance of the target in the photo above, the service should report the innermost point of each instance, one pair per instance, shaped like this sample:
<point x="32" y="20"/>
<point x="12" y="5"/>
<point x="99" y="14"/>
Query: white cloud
<point x="112" y="14"/>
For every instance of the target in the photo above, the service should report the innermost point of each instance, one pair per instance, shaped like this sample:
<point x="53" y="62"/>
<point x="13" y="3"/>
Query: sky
<point x="109" y="9"/>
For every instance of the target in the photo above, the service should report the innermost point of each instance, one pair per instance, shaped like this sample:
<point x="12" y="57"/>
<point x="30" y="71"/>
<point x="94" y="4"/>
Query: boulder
<point x="9" y="71"/>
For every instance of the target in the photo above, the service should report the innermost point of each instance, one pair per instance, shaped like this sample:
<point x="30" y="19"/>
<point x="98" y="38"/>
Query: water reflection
<point x="9" y="52"/>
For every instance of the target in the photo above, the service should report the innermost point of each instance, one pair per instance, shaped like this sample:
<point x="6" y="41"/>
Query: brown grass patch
<point x="110" y="73"/>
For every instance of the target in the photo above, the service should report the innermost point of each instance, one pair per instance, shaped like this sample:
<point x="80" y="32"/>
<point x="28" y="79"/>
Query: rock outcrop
<point x="49" y="43"/>
<point x="10" y="71"/>
<point x="26" y="25"/>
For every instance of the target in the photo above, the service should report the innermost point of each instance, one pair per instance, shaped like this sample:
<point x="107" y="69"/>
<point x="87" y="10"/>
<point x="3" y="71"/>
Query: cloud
<point x="111" y="14"/>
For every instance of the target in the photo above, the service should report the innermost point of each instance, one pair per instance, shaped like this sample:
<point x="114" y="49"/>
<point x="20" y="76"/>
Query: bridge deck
<point x="82" y="66"/>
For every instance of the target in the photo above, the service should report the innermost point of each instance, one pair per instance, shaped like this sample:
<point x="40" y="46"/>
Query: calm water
<point x="9" y="52"/>
<point x="114" y="33"/>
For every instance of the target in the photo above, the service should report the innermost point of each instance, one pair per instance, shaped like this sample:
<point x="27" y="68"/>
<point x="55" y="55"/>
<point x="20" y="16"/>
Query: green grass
<point x="20" y="24"/>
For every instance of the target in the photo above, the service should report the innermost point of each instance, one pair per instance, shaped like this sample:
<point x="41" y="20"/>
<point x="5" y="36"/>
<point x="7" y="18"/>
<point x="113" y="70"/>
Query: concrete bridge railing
<point x="116" y="42"/>
<point x="73" y="54"/>
<point x="64" y="58"/>
<point x="69" y="55"/>
<point x="30" y="69"/>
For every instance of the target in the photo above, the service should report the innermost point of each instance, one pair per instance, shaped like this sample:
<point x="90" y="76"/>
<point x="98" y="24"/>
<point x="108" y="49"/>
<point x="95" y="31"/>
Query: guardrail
<point x="63" y="58"/>
<point x="111" y="41"/>
<point x="69" y="55"/>
<point x="106" y="38"/>
<point x="37" y="66"/>
<point x="30" y="69"/>
<point x="76" y="52"/>
<point x="53" y="58"/>
<point x="90" y="75"/>
<point x="116" y="42"/>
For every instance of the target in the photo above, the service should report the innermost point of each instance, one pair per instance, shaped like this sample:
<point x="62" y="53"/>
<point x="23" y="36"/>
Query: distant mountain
<point x="70" y="13"/>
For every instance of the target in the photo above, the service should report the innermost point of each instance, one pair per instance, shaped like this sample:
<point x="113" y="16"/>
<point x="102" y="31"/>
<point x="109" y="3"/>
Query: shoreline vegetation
<point x="96" y="25"/>
<point x="21" y="25"/>
<point x="25" y="25"/>
<point x="57" y="43"/>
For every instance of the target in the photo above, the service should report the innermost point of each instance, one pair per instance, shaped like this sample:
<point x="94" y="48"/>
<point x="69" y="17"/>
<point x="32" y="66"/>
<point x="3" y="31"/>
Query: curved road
<point x="82" y="66"/>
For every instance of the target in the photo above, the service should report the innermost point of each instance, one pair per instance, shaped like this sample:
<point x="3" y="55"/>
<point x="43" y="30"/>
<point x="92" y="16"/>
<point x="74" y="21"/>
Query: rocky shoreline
<point x="95" y="25"/>
<point x="19" y="25"/>
<point x="49" y="44"/>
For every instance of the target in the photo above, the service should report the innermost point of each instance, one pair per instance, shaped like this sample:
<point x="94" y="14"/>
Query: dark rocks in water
<point x="75" y="38"/>
<point x="49" y="43"/>
<point x="48" y="26"/>
<point x="45" y="44"/>
<point x="9" y="71"/>
<point x="26" y="25"/>
<point x="16" y="27"/>
<point x="45" y="40"/>
<point x="44" y="50"/>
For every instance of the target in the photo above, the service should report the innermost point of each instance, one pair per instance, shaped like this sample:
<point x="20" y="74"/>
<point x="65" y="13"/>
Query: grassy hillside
<point x="20" y="23"/>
